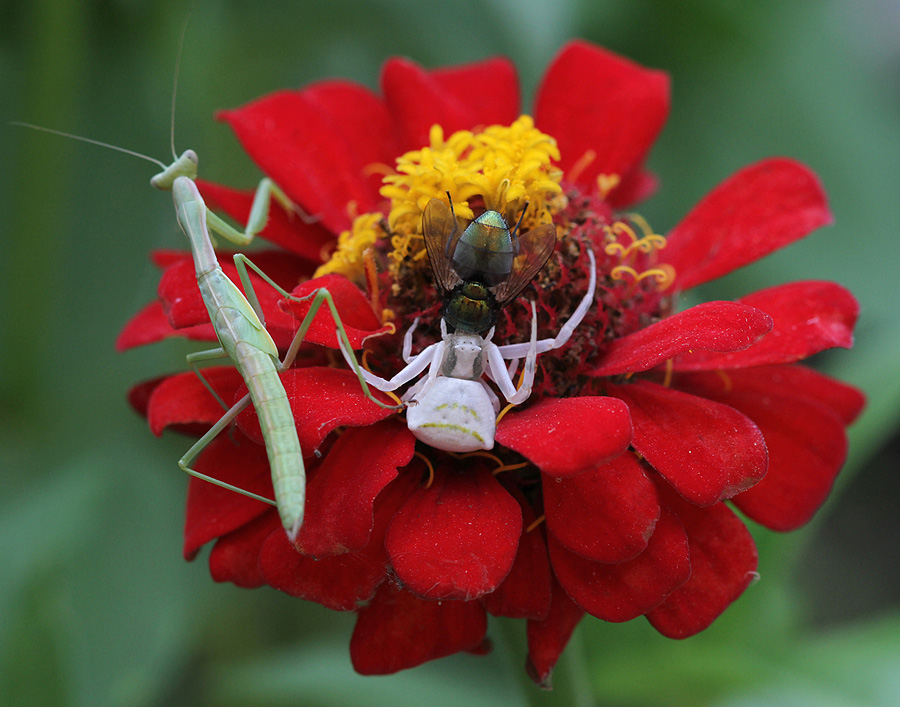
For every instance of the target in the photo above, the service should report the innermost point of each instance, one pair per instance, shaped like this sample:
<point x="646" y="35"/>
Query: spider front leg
<point x="513" y="351"/>
<point x="498" y="371"/>
<point x="407" y="342"/>
<point x="417" y="365"/>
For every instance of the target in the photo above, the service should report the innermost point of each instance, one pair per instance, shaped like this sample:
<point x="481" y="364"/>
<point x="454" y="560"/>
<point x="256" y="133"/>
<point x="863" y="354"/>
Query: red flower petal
<point x="183" y="400"/>
<point x="805" y="439"/>
<point x="548" y="637"/>
<point x="340" y="582"/>
<point x="284" y="228"/>
<point x="723" y="564"/>
<point x="317" y="144"/>
<point x="397" y="630"/>
<point x="799" y="381"/>
<point x="711" y="326"/>
<point x="235" y="557"/>
<point x="140" y="394"/>
<point x="456" y="539"/>
<point x="452" y="97"/>
<point x="606" y="515"/>
<point x="356" y="314"/>
<point x="594" y="101"/>
<point x="568" y="436"/>
<point x="151" y="325"/>
<point x="809" y="317"/>
<point x="706" y="450"/>
<point x="624" y="591"/>
<point x="758" y="210"/>
<point x="180" y="296"/>
<point x="213" y="511"/>
<point x="341" y="497"/>
<point x="634" y="187"/>
<point x="164" y="257"/>
<point x="525" y="593"/>
<point x="322" y="399"/>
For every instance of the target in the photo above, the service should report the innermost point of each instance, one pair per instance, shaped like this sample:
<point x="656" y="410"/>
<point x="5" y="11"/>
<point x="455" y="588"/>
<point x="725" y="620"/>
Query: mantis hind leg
<point x="213" y="432"/>
<point x="318" y="297"/>
<point x="210" y="355"/>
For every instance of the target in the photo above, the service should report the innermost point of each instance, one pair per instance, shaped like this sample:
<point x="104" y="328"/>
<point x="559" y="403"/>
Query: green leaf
<point x="320" y="674"/>
<point x="97" y="598"/>
<point x="858" y="666"/>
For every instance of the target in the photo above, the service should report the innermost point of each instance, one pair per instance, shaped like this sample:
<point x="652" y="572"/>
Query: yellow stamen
<point x="509" y="467"/>
<point x="647" y="244"/>
<point x="606" y="183"/>
<point x="644" y="226"/>
<point x="394" y="398"/>
<point x="664" y="274"/>
<point x="487" y="455"/>
<point x="536" y="523"/>
<point x="378" y="168"/>
<point x="326" y="251"/>
<point x="371" y="277"/>
<point x="503" y="412"/>
<point x="580" y="165"/>
<point x="430" y="468"/>
<point x="670" y="367"/>
<point x="726" y="379"/>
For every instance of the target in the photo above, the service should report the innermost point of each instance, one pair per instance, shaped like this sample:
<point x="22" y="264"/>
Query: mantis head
<point x="184" y="166"/>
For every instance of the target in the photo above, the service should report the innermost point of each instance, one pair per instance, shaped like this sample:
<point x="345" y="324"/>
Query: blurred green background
<point x="96" y="605"/>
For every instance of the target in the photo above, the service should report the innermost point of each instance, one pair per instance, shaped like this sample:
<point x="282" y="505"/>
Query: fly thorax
<point x="463" y="357"/>
<point x="485" y="251"/>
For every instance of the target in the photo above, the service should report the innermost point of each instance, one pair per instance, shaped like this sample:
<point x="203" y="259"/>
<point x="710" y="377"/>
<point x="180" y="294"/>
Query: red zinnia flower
<point x="641" y="432"/>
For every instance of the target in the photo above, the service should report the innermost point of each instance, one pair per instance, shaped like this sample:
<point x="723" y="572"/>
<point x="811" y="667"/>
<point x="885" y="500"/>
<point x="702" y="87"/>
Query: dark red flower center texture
<point x="610" y="491"/>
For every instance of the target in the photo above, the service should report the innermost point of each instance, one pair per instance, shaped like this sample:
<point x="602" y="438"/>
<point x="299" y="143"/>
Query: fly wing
<point x="440" y="229"/>
<point x="535" y="248"/>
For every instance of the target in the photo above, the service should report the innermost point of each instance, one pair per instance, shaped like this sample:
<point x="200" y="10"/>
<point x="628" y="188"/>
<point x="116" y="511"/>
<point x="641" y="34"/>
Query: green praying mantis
<point x="239" y="325"/>
<point x="240" y="328"/>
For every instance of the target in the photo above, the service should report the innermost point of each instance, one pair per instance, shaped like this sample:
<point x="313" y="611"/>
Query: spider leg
<point x="492" y="396"/>
<point x="434" y="370"/>
<point x="407" y="342"/>
<point x="419" y="364"/>
<point x="510" y="369"/>
<point x="500" y="373"/>
<point x="565" y="333"/>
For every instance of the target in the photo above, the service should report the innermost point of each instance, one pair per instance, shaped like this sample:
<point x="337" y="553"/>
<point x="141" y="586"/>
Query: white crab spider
<point x="452" y="407"/>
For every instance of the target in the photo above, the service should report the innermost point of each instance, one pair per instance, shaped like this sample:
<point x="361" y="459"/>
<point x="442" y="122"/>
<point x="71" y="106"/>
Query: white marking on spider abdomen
<point x="453" y="414"/>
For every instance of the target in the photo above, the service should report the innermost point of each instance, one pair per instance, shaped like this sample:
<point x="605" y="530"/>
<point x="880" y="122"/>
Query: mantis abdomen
<point x="279" y="432"/>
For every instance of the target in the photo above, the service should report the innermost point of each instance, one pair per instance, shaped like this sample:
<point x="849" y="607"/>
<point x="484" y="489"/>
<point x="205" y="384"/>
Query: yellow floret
<point x="347" y="258"/>
<point x="503" y="167"/>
